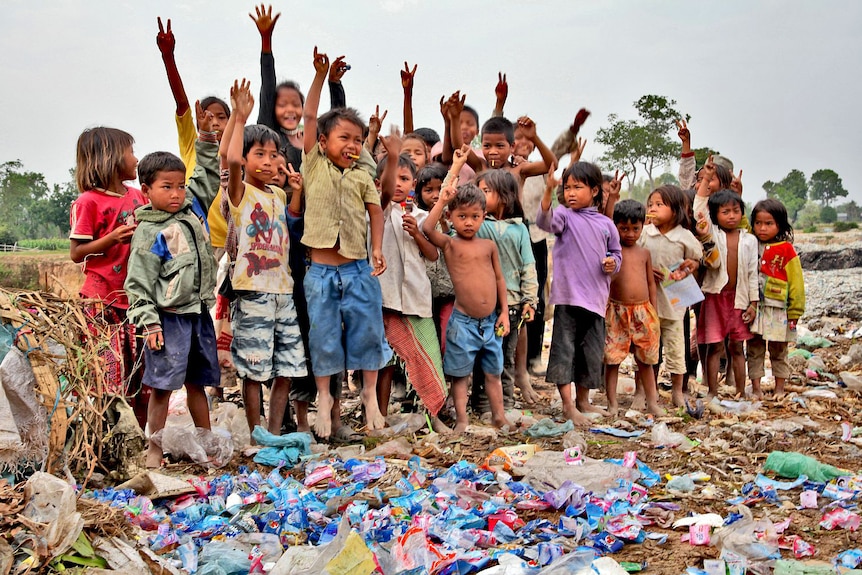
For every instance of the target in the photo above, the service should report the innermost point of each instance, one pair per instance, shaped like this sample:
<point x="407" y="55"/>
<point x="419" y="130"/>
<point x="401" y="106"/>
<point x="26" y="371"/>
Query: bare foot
<point x="756" y="392"/>
<point x="678" y="398"/>
<point x="587" y="407"/>
<point x="154" y="457"/>
<point x="528" y="394"/>
<point x="639" y="402"/>
<point x="303" y="428"/>
<point x="460" y="427"/>
<point x="500" y="421"/>
<point x="613" y="409"/>
<point x="373" y="418"/>
<point x="655" y="409"/>
<point x="572" y="414"/>
<point x="323" y="421"/>
<point x="439" y="427"/>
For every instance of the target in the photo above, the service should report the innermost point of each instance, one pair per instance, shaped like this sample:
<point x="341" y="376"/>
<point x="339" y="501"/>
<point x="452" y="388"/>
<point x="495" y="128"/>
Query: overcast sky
<point x="773" y="84"/>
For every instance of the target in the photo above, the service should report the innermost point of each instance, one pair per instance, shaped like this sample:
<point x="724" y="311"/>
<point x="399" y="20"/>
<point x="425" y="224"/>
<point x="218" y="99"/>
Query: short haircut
<point x="506" y="186"/>
<point x="151" y="164"/>
<point x="429" y="136"/>
<point x="290" y="85"/>
<point x="629" y="212"/>
<point x="675" y="199"/>
<point x="210" y="100"/>
<point x="472" y="111"/>
<point x="468" y="195"/>
<point x="432" y="171"/>
<point x="100" y="153"/>
<point x="258" y="134"/>
<point x="721" y="198"/>
<point x="500" y="125"/>
<point x="404" y="161"/>
<point x="584" y="172"/>
<point x="328" y="121"/>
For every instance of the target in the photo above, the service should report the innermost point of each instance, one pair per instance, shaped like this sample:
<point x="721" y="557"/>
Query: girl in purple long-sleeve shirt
<point x="586" y="254"/>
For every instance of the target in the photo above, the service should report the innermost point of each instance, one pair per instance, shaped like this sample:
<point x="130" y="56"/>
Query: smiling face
<point x="467" y="219"/>
<point x="343" y="143"/>
<point x="523" y="146"/>
<point x="577" y="194"/>
<point x="288" y="108"/>
<point x="167" y="191"/>
<point x="469" y="127"/>
<point x="261" y="164"/>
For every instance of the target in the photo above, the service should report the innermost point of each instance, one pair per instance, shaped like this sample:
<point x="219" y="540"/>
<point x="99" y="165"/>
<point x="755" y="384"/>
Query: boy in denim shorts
<point x="267" y="346"/>
<point x="481" y="315"/>
<point x="345" y="303"/>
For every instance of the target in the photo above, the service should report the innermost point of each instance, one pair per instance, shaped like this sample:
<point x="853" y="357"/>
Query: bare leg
<point x="639" y="399"/>
<point x="251" y="400"/>
<point x="439" y="427"/>
<point x="755" y="387"/>
<point x="522" y="376"/>
<point x="373" y="418"/>
<point x="459" y="396"/>
<point x="649" y="389"/>
<point x="737" y="361"/>
<point x="612" y="373"/>
<point x="779" y="386"/>
<point x="278" y="399"/>
<point x="678" y="395"/>
<point x="582" y="402"/>
<point x="157" y="414"/>
<point x="713" y="357"/>
<point x="384" y="388"/>
<point x="323" y="423"/>
<point x="494" y="390"/>
<point x="199" y="409"/>
<point x="570" y="412"/>
<point x="301" y="409"/>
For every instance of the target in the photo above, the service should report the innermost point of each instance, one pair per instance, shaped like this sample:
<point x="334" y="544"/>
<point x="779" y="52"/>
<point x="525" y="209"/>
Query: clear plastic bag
<point x="198" y="444"/>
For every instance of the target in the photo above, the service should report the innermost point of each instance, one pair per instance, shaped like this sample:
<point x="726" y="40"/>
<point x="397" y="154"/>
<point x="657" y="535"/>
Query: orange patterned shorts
<point x="631" y="327"/>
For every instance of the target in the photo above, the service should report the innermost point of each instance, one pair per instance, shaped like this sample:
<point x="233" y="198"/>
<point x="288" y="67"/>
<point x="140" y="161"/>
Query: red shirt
<point x="95" y="214"/>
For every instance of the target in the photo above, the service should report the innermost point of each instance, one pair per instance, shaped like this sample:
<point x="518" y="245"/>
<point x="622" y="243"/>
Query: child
<point x="504" y="226"/>
<point x="171" y="285"/>
<point x="676" y="252"/>
<point x="340" y="286"/>
<point x="102" y="223"/>
<point x="481" y="317"/>
<point x="498" y="140"/>
<point x="631" y="317"/>
<point x="267" y="346"/>
<point x="407" y="309"/>
<point x="414" y="146"/>
<point x="730" y="282"/>
<point x="782" y="294"/>
<point x="586" y="253"/>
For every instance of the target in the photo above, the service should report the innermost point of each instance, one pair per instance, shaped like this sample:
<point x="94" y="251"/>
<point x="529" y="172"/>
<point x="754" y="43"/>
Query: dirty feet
<point x="373" y="418"/>
<point x="572" y="414"/>
<point x="323" y="422"/>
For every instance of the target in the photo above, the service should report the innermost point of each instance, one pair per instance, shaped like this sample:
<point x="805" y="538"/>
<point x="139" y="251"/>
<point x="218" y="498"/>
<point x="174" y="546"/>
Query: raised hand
<point x="407" y="76"/>
<point x="242" y="99"/>
<point x="459" y="157"/>
<point x="444" y="107"/>
<point x="528" y="127"/>
<point x="204" y="118"/>
<point x="502" y="88"/>
<point x="683" y="132"/>
<point x="448" y="193"/>
<point x="321" y="62"/>
<point x="165" y="38"/>
<point x="375" y="122"/>
<point x="616" y="184"/>
<point x="736" y="183"/>
<point x="456" y="106"/>
<point x="337" y="70"/>
<point x="264" y="20"/>
<point x="392" y="142"/>
<point x="578" y="149"/>
<point x="294" y="179"/>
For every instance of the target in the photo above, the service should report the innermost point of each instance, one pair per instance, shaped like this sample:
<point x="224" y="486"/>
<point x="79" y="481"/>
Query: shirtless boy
<point x="631" y="318"/>
<point x="481" y="317"/>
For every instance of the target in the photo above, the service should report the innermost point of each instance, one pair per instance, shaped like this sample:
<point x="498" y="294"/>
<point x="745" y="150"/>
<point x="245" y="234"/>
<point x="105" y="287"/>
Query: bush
<point x="845" y="226"/>
<point x="812" y="229"/>
<point x="7" y="236"/>
<point x="828" y="215"/>
<point x="46" y="244"/>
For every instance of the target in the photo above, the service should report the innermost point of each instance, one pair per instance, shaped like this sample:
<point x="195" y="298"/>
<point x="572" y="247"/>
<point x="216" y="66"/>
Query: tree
<point x="29" y="208"/>
<point x="641" y="190"/>
<point x="825" y="186"/>
<point x="828" y="215"/>
<point x="852" y="210"/>
<point x="792" y="191"/>
<point x="702" y="154"/>
<point x="645" y="142"/>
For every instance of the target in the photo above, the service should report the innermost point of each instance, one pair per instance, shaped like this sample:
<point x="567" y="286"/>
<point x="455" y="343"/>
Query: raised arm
<point x="614" y="195"/>
<point x="392" y="144"/>
<point x="407" y="76"/>
<point x="687" y="177"/>
<point x="166" y="42"/>
<point x="375" y="122"/>
<point x="439" y="239"/>
<point x="446" y="156"/>
<point x="563" y="144"/>
<point x="456" y="106"/>
<point x="312" y="101"/>
<point x="528" y="127"/>
<point x="243" y="102"/>
<point x="265" y="22"/>
<point x="337" y="97"/>
<point x="501" y="91"/>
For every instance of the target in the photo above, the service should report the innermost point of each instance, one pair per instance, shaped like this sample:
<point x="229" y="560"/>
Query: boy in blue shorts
<point x="481" y="315"/>
<point x="170" y="284"/>
<point x="345" y="303"/>
<point x="267" y="346"/>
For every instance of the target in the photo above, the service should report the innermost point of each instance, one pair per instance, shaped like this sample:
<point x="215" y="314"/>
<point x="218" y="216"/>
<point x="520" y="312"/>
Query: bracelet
<point x="686" y="155"/>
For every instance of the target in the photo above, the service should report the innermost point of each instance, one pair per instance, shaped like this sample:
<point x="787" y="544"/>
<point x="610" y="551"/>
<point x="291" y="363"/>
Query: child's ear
<point x="145" y="189"/>
<point x="321" y="140"/>
<point x="377" y="184"/>
<point x="595" y="191"/>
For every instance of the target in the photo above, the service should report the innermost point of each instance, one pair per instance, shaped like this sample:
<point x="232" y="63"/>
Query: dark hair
<point x="210" y="100"/>
<point x="328" y="121"/>
<point x="724" y="176"/>
<point x="629" y="211"/>
<point x="404" y="161"/>
<point x="468" y="195"/>
<point x="429" y="136"/>
<point x="675" y="199"/>
<point x="585" y="172"/>
<point x="432" y="171"/>
<point x="689" y="210"/>
<point x="499" y="125"/>
<point x="779" y="213"/>
<point x="258" y="134"/>
<point x="100" y="153"/>
<point x="722" y="198"/>
<point x="472" y="111"/>
<point x="151" y="164"/>
<point x="506" y="187"/>
<point x="290" y="85"/>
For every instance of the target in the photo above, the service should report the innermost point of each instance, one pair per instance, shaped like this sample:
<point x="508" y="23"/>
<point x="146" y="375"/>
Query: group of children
<point x="344" y="250"/>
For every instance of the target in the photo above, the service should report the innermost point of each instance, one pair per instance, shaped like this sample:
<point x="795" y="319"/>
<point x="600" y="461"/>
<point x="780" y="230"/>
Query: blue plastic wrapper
<point x="851" y="558"/>
<point x="549" y="552"/>
<point x="606" y="543"/>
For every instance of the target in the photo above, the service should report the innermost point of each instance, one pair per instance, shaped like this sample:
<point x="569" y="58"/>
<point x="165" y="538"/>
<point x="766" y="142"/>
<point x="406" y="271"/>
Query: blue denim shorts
<point x="345" y="312"/>
<point x="467" y="338"/>
<point x="266" y="339"/>
<point x="188" y="355"/>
